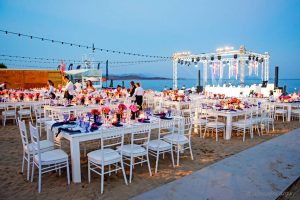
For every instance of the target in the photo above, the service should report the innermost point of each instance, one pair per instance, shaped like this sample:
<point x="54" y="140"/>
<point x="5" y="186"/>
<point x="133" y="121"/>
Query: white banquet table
<point x="75" y="140"/>
<point x="229" y="115"/>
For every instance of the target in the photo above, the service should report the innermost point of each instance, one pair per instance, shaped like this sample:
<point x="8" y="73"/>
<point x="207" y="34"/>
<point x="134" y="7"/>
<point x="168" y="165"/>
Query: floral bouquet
<point x="30" y="96"/>
<point x="98" y="99"/>
<point x="21" y="96"/>
<point x="82" y="98"/>
<point x="37" y="95"/>
<point x="133" y="108"/>
<point x="95" y="112"/>
<point x="134" y="111"/>
<point x="122" y="107"/>
<point x="105" y="110"/>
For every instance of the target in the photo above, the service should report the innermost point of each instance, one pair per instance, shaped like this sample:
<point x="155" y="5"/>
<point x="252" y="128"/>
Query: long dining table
<point x="229" y="115"/>
<point x="76" y="139"/>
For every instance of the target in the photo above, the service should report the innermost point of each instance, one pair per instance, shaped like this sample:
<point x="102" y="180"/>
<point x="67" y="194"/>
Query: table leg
<point x="75" y="160"/>
<point x="228" y="127"/>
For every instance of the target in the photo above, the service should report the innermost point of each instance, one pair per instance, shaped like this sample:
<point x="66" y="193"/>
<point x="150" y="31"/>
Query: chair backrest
<point x="111" y="139"/>
<point x="165" y="127"/>
<point x="141" y="136"/>
<point x="25" y="107"/>
<point x="23" y="132"/>
<point x="35" y="139"/>
<point x="11" y="107"/>
<point x="187" y="128"/>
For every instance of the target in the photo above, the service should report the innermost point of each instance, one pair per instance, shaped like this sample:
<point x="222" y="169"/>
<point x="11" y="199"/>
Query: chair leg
<point x="156" y="164"/>
<point x="102" y="179"/>
<point x="40" y="180"/>
<point x="123" y="171"/>
<point x="28" y="166"/>
<point x="177" y="155"/>
<point x="89" y="171"/>
<point x="190" y="146"/>
<point x="149" y="167"/>
<point x="130" y="175"/>
<point x="172" y="157"/>
<point x="23" y="160"/>
<point x="32" y="171"/>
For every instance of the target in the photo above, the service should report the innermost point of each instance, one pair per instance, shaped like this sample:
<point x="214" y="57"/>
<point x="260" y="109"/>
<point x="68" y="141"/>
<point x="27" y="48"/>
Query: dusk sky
<point x="154" y="27"/>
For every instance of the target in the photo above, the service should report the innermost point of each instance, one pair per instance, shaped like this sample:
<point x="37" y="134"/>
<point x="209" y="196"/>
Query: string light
<point x="83" y="46"/>
<point x="55" y="60"/>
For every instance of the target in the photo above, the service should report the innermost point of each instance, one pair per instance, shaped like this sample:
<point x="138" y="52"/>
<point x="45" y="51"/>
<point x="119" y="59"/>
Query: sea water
<point x="291" y="84"/>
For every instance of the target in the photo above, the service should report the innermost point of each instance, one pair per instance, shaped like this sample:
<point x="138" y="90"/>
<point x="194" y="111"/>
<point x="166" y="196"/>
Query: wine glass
<point x="86" y="125"/>
<point x="66" y="116"/>
<point x="148" y="112"/>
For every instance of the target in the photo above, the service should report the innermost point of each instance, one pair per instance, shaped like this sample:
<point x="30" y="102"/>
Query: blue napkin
<point x="71" y="132"/>
<point x="167" y="118"/>
<point x="61" y="123"/>
<point x="117" y="124"/>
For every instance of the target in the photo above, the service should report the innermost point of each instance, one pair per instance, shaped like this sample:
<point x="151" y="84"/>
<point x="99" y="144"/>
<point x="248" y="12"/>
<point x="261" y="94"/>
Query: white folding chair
<point x="25" y="112"/>
<point x="180" y="139"/>
<point x="137" y="149"/>
<point x="28" y="152"/>
<point x="213" y="124"/>
<point x="245" y="125"/>
<point x="107" y="156"/>
<point x="159" y="146"/>
<point x="46" y="161"/>
<point x="10" y="112"/>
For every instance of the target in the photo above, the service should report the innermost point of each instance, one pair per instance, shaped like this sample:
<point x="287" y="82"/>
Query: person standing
<point x="78" y="86"/>
<point x="69" y="89"/>
<point x="89" y="87"/>
<point x="132" y="89"/>
<point x="51" y="90"/>
<point x="139" y="92"/>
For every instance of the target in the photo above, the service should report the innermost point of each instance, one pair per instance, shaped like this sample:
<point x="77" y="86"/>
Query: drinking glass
<point x="66" y="116"/>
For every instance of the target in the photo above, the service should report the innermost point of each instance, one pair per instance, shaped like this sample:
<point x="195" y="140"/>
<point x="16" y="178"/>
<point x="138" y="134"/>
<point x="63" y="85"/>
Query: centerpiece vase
<point x="133" y="115"/>
<point x="118" y="115"/>
<point x="96" y="118"/>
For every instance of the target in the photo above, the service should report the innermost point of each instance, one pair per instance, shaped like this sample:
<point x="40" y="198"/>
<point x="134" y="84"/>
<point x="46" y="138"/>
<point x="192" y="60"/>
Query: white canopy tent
<point x="234" y="59"/>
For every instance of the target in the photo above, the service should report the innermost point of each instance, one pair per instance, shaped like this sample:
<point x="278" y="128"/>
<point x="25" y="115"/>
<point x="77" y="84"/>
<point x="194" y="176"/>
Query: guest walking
<point x="132" y="88"/>
<point x="69" y="89"/>
<point x="139" y="92"/>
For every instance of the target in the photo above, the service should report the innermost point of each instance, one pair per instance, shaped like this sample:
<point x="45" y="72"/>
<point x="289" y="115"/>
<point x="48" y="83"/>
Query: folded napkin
<point x="117" y="124"/>
<point x="67" y="130"/>
<point x="144" y="120"/>
<point x="164" y="117"/>
<point x="56" y="124"/>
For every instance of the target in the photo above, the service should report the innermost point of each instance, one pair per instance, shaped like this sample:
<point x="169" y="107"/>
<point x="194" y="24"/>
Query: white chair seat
<point x="200" y="122"/>
<point x="42" y="120"/>
<point x="110" y="156"/>
<point x="135" y="150"/>
<point x="280" y="111"/>
<point x="268" y="119"/>
<point x="242" y="124"/>
<point x="9" y="113"/>
<point x="215" y="125"/>
<point x="176" y="139"/>
<point x="159" y="145"/>
<point x="45" y="145"/>
<point x="24" y="112"/>
<point x="51" y="157"/>
<point x="297" y="111"/>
